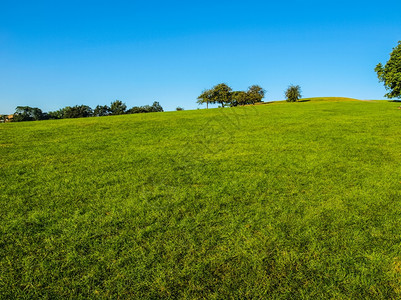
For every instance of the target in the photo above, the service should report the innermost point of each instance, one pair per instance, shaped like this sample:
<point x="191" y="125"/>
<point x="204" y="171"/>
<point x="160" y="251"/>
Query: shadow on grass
<point x="394" y="101"/>
<point x="303" y="100"/>
<point x="261" y="103"/>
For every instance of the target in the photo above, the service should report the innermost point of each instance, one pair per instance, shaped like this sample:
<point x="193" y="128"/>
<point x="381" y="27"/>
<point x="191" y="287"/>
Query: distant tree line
<point x="26" y="113"/>
<point x="225" y="96"/>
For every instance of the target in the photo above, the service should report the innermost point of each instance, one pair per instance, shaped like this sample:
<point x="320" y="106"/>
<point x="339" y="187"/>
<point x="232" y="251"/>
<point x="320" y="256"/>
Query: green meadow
<point x="274" y="201"/>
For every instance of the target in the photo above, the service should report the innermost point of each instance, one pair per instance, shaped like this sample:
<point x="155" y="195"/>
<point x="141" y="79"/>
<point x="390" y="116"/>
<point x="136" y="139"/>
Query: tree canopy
<point x="239" y="98"/>
<point x="206" y="97"/>
<point x="293" y="93"/>
<point x="26" y="113"/>
<point x="224" y="95"/>
<point x="390" y="73"/>
<point x="156" y="107"/>
<point x="77" y="111"/>
<point x="255" y="94"/>
<point x="101" y="110"/>
<point x="221" y="94"/>
<point x="118" y="107"/>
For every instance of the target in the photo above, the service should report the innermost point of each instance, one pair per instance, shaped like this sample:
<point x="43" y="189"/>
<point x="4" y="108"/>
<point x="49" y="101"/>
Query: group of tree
<point x="389" y="74"/>
<point x="26" y="113"/>
<point x="224" y="95"/>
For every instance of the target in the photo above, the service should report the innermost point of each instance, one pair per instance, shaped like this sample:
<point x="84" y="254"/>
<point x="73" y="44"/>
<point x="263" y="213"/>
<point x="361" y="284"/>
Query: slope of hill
<point x="318" y="99"/>
<point x="330" y="99"/>
<point x="297" y="200"/>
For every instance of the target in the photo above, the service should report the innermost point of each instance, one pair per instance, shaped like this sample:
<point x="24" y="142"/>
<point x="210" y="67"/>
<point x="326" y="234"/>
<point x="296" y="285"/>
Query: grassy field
<point x="282" y="200"/>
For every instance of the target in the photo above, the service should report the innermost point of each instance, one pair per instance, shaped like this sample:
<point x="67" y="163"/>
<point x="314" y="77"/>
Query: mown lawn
<point x="283" y="200"/>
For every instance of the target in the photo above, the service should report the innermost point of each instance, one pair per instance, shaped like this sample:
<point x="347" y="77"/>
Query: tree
<point x="255" y="94"/>
<point x="179" y="108"/>
<point x="101" y="110"/>
<point x="118" y="107"/>
<point x="221" y="94"/>
<point x="293" y="93"/>
<point x="136" y="110"/>
<point x="26" y="113"/>
<point x="156" y="107"/>
<point x="205" y="97"/>
<point x="390" y="74"/>
<point x="239" y="98"/>
<point x="58" y="114"/>
<point x="77" y="111"/>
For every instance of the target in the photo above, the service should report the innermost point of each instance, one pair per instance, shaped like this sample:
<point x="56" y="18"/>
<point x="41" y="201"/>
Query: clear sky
<point x="59" y="53"/>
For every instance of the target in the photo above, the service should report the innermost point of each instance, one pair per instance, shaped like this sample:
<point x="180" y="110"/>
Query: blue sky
<point x="59" y="53"/>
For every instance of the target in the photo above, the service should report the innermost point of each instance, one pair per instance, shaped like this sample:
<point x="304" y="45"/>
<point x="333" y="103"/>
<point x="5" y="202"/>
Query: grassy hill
<point x="330" y="99"/>
<point x="283" y="200"/>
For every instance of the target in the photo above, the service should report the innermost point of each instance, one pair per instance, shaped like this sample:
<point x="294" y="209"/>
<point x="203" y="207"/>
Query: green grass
<point x="283" y="200"/>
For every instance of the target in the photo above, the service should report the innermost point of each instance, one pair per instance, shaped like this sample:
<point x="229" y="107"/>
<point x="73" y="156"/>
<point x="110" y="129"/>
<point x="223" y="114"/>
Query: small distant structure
<point x="6" y="118"/>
